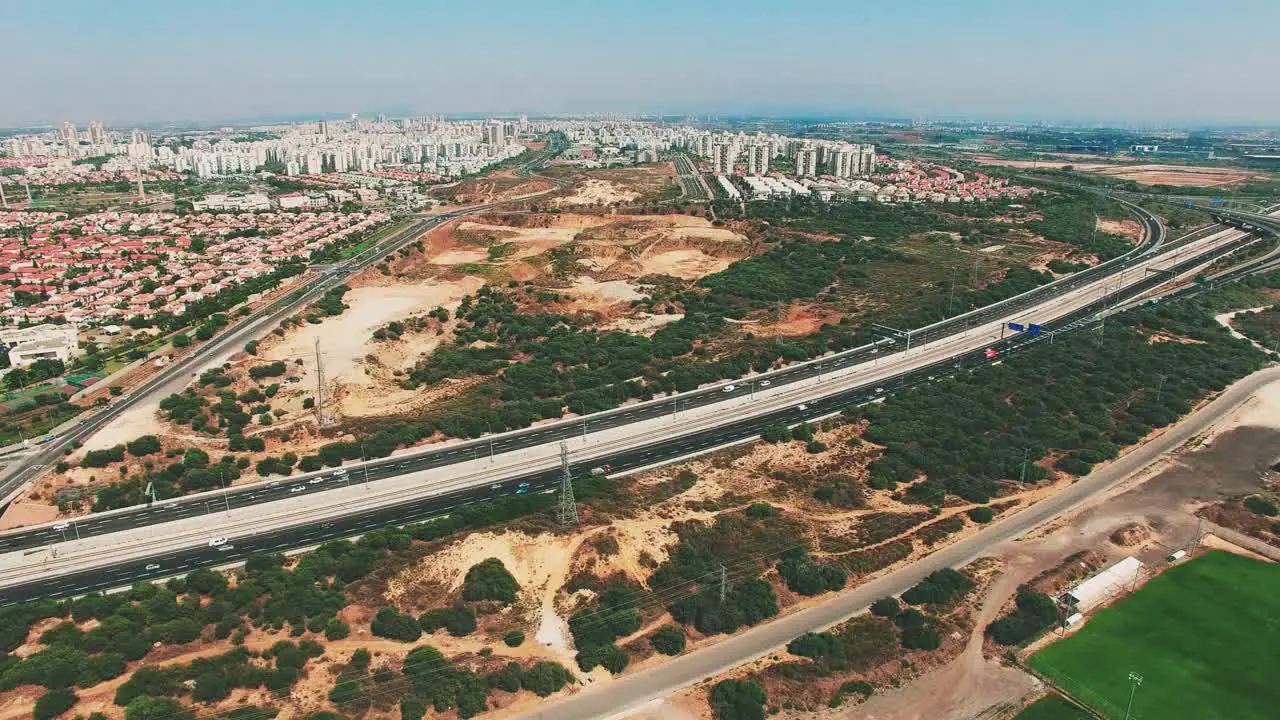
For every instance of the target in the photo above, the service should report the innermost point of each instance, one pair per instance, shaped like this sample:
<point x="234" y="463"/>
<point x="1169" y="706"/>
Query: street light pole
<point x="222" y="473"/>
<point x="1135" y="679"/>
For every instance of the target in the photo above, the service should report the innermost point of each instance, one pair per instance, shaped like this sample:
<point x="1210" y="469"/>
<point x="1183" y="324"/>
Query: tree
<point x="490" y="580"/>
<point x="515" y="638"/>
<point x="938" y="588"/>
<point x="180" y="340"/>
<point x="668" y="640"/>
<point x="887" y="607"/>
<point x="54" y="703"/>
<point x="391" y="623"/>
<point x="157" y="708"/>
<point x="1260" y="505"/>
<point x="145" y="445"/>
<point x="738" y="700"/>
<point x="981" y="515"/>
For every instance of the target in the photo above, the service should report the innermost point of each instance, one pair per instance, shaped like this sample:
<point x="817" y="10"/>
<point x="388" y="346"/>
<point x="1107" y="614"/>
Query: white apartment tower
<point x="806" y="161"/>
<point x="96" y="134"/>
<point x="758" y="159"/>
<point x="70" y="136"/>
<point x="723" y="155"/>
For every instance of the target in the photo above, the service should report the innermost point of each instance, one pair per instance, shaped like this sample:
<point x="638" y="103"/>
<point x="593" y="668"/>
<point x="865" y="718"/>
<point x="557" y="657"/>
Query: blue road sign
<point x="1191" y="203"/>
<point x="1016" y="327"/>
<point x="1033" y="330"/>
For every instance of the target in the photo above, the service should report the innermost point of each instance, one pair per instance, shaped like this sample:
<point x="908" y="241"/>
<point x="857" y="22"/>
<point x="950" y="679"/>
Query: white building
<point x="38" y="342"/>
<point x="1091" y="593"/>
<point x="247" y="202"/>
<point x="758" y="159"/>
<point x="806" y="162"/>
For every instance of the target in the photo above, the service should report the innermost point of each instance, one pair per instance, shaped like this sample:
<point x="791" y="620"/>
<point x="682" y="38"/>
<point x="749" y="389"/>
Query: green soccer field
<point x="1204" y="636"/>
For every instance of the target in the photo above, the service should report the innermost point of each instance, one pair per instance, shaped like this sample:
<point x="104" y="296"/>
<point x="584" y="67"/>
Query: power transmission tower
<point x="568" y="507"/>
<point x="319" y="386"/>
<point x="724" y="584"/>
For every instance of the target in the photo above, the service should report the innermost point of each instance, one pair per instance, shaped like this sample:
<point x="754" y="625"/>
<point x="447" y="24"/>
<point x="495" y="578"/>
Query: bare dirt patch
<point x="597" y="192"/>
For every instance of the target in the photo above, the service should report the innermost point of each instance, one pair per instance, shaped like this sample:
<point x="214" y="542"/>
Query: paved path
<point x="617" y="698"/>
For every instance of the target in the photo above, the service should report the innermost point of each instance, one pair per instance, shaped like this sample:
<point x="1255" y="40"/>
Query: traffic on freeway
<point x="261" y="492"/>
<point x="168" y="563"/>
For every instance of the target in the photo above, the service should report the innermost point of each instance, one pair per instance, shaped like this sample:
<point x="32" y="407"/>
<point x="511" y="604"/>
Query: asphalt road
<point x="178" y="375"/>
<point x="179" y="508"/>
<point x="237" y="548"/>
<point x="623" y="695"/>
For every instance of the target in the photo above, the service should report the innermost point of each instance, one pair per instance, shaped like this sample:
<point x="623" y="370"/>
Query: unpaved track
<point x="617" y="698"/>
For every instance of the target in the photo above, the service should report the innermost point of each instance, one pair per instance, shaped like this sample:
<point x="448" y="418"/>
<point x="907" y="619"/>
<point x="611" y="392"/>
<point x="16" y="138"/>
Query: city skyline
<point x="1141" y="63"/>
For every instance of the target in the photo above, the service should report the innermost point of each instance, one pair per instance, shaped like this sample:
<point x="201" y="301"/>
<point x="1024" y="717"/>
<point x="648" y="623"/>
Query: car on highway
<point x="495" y="486"/>
<point x="153" y="566"/>
<point x="297" y="488"/>
<point x="879" y="390"/>
<point x="523" y="485"/>
<point x="62" y="525"/>
<point x="315" y="481"/>
<point x="729" y="388"/>
<point x="339" y="472"/>
<point x="224" y="548"/>
<point x="602" y="470"/>
<point x="764" y="383"/>
<point x="802" y="406"/>
<point x="217" y="541"/>
<point x="521" y="491"/>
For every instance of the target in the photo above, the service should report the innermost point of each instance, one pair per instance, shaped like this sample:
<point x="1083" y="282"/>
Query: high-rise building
<point x="70" y="136"/>
<point x="806" y="161"/>
<point x="723" y="155"/>
<point x="758" y="159"/>
<point x="97" y="135"/>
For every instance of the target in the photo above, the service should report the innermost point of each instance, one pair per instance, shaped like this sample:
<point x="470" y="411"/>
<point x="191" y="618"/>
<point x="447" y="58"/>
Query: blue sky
<point x="1122" y="61"/>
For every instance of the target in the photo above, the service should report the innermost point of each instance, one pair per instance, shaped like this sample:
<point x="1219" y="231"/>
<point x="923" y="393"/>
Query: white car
<point x="224" y="548"/>
<point x="62" y="526"/>
<point x="153" y="566"/>
<point x="297" y="488"/>
<point x="272" y="483"/>
<point x="729" y="388"/>
<point x="802" y="407"/>
<point x="764" y="383"/>
<point x="879" y="390"/>
<point x="218" y="541"/>
<point x="316" y="481"/>
<point x="339" y="472"/>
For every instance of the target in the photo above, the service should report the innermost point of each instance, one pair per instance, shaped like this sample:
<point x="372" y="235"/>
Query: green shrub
<point x="668" y="640"/>
<point x="515" y="638"/>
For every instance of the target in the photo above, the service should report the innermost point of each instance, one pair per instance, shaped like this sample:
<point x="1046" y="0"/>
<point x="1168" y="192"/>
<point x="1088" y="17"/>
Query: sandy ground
<point x="594" y="191"/>
<point x="540" y="564"/>
<point x="1126" y="228"/>
<point x="1145" y="174"/>
<point x="135" y="422"/>
<point x="1225" y="462"/>
<point x="27" y="513"/>
<point x="360" y="387"/>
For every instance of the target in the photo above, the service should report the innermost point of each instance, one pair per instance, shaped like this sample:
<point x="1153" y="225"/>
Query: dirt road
<point x="616" y="699"/>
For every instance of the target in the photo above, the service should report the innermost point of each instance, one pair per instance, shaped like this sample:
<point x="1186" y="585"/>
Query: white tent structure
<point x="1097" y="589"/>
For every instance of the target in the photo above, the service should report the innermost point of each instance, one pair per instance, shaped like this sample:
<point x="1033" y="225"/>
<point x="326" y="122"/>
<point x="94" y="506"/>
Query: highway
<point x="459" y="452"/>
<point x="624" y="695"/>
<point x="161" y="563"/>
<point x="177" y="375"/>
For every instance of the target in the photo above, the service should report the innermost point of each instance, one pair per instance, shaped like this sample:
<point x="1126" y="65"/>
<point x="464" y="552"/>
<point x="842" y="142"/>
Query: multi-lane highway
<point x="453" y="453"/>
<point x="176" y="376"/>
<point x="162" y="563"/>
<point x="168" y="563"/>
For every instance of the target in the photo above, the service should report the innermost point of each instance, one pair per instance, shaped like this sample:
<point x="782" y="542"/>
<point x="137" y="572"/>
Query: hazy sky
<point x="1106" y="60"/>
